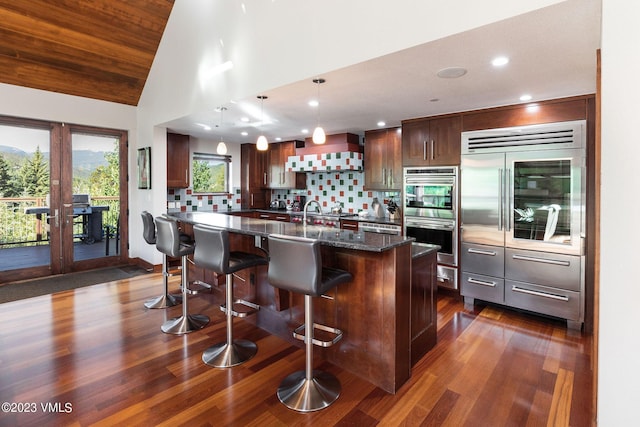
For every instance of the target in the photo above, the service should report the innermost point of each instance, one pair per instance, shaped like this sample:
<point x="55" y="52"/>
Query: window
<point x="210" y="173"/>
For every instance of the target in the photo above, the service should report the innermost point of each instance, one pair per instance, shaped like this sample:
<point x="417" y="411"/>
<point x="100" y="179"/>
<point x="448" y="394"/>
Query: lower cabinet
<point x="545" y="283"/>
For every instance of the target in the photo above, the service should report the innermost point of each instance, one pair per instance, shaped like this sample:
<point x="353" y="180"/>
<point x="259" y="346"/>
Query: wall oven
<point x="430" y="215"/>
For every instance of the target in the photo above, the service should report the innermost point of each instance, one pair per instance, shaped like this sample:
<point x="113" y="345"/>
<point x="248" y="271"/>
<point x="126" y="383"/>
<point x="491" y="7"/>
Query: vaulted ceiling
<point x="100" y="49"/>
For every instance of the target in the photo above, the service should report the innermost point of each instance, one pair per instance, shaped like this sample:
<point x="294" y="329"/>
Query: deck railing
<point x="20" y="229"/>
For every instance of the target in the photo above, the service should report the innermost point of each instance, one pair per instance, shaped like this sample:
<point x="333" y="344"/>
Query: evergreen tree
<point x="5" y="176"/>
<point x="35" y="175"/>
<point x="105" y="180"/>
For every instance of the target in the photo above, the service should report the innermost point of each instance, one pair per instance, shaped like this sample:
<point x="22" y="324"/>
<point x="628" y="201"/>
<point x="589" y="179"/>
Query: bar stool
<point x="212" y="252"/>
<point x="295" y="264"/>
<point x="168" y="242"/>
<point x="149" y="234"/>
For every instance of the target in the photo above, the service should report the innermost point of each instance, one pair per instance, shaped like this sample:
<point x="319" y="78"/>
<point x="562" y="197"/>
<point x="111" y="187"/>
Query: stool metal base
<point x="184" y="324"/>
<point x="164" y="301"/>
<point x="306" y="395"/>
<point x="223" y="355"/>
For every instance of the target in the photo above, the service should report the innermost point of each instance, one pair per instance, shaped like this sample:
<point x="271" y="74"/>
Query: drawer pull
<point x="481" y="252"/>
<point x="540" y="294"/>
<point x="542" y="260"/>
<point x="481" y="282"/>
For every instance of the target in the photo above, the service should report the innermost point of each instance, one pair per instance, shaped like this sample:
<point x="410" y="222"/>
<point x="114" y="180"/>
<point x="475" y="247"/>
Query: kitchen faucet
<point x="306" y="205"/>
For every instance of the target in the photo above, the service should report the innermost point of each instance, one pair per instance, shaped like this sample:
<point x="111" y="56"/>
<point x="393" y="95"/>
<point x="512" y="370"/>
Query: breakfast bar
<point x="374" y="310"/>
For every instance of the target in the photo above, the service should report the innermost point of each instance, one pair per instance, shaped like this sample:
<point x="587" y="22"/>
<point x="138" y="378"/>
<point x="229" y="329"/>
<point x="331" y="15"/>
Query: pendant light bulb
<point x="222" y="147"/>
<point x="319" y="136"/>
<point x="262" y="144"/>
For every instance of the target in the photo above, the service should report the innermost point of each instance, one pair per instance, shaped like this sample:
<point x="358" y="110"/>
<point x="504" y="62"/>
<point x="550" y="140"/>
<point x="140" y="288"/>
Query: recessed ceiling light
<point x="500" y="61"/>
<point x="451" y="72"/>
<point x="381" y="123"/>
<point x="278" y="138"/>
<point x="245" y="119"/>
<point x="305" y="131"/>
<point x="313" y="103"/>
<point x="525" y="97"/>
<point x="244" y="133"/>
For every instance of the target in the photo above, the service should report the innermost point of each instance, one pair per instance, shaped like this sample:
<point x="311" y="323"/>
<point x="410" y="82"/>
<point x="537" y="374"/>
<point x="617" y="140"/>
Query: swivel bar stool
<point x="295" y="264"/>
<point x="149" y="233"/>
<point x="212" y="252"/>
<point x="168" y="242"/>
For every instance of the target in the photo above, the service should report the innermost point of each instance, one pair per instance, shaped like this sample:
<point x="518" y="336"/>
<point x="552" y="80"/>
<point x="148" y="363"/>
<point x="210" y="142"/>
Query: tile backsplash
<point x="328" y="188"/>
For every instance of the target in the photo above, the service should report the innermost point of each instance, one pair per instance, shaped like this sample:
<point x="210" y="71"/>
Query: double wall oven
<point x="431" y="215"/>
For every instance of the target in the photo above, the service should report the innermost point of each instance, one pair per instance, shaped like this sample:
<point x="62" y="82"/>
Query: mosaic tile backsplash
<point x="328" y="188"/>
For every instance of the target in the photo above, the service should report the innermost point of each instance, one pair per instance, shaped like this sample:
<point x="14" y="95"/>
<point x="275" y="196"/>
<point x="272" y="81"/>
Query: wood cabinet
<point x="349" y="224"/>
<point x="177" y="160"/>
<point x="277" y="176"/>
<point x="431" y="142"/>
<point x="253" y="178"/>
<point x="424" y="317"/>
<point x="274" y="216"/>
<point x="383" y="159"/>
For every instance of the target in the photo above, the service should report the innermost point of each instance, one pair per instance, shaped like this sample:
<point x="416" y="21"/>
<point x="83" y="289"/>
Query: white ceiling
<point x="552" y="54"/>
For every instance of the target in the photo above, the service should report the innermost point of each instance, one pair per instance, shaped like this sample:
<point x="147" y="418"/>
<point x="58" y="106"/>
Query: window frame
<point x="225" y="159"/>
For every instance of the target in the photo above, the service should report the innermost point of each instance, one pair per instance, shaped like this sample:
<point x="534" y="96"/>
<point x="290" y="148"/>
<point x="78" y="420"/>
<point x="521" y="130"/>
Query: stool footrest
<point x="299" y="334"/>
<point x="196" y="287"/>
<point x="251" y="308"/>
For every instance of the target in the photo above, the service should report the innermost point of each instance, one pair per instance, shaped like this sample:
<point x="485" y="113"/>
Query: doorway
<point x="63" y="198"/>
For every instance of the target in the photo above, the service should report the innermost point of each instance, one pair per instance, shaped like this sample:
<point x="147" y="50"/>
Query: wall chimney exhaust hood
<point x="340" y="153"/>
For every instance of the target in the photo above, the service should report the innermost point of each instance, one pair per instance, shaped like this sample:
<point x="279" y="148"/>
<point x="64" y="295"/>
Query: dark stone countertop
<point x="357" y="240"/>
<point x="422" y="249"/>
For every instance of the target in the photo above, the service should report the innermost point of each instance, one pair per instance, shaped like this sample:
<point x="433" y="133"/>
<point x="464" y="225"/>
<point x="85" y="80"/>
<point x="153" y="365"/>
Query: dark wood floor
<point x="96" y="356"/>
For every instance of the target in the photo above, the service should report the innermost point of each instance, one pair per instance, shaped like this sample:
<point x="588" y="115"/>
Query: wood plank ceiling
<point x="100" y="49"/>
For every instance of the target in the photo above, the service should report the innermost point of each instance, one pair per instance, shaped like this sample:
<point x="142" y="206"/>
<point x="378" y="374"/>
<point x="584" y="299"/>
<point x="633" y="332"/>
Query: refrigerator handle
<point x="500" y="199"/>
<point x="507" y="200"/>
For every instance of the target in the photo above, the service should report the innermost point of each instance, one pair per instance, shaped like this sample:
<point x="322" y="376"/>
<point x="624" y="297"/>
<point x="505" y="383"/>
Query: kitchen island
<point x="374" y="310"/>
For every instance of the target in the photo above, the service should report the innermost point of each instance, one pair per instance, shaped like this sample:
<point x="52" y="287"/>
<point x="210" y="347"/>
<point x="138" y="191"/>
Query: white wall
<point x="619" y="347"/>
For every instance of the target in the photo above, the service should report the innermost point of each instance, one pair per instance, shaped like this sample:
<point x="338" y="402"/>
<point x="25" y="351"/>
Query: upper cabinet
<point x="431" y="142"/>
<point x="177" y="160"/>
<point x="253" y="177"/>
<point x="277" y="176"/>
<point x="383" y="159"/>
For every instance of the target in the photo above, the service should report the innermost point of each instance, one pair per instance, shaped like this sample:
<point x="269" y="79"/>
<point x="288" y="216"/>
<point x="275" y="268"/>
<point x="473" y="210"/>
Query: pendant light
<point x="318" y="133"/>
<point x="222" y="147"/>
<point x="262" y="144"/>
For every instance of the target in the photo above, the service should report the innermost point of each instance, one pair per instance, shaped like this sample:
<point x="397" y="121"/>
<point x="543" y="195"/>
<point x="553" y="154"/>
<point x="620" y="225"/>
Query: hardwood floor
<point x="95" y="356"/>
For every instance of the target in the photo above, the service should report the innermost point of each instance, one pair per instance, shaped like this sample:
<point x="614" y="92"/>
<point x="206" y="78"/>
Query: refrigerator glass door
<point x="545" y="200"/>
<point x="482" y="179"/>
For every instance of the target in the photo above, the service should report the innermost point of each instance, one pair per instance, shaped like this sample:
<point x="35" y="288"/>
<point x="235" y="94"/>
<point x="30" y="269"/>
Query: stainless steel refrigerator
<point x="522" y="223"/>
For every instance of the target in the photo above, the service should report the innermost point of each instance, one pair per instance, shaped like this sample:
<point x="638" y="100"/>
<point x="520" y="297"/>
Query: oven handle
<point x="430" y="180"/>
<point x="430" y="224"/>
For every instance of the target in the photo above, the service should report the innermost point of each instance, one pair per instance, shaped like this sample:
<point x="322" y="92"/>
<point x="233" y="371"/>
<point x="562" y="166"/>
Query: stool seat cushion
<point x="168" y="240"/>
<point x="212" y="252"/>
<point x="295" y="264"/>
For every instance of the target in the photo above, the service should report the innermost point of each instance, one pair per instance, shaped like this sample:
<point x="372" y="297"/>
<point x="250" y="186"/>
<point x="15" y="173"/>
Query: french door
<point x="66" y="207"/>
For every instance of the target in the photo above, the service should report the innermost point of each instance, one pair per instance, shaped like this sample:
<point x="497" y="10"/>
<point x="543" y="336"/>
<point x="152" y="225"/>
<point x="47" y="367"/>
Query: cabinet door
<point x="374" y="160"/>
<point x="252" y="177"/>
<point x="415" y="136"/>
<point x="445" y="141"/>
<point x="275" y="166"/>
<point x="177" y="160"/>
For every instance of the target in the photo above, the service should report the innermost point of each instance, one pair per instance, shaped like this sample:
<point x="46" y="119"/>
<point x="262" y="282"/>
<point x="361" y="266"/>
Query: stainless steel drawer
<point x="547" y="269"/>
<point x="482" y="259"/>
<point x="542" y="299"/>
<point x="486" y="288"/>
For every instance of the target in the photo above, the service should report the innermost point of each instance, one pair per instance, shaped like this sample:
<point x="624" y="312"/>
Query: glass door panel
<point x="546" y="200"/>
<point x="25" y="221"/>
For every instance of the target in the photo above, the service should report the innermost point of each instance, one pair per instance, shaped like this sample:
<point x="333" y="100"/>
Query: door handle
<point x="542" y="260"/>
<point x="481" y="282"/>
<point x="481" y="252"/>
<point x="56" y="217"/>
<point x="540" y="294"/>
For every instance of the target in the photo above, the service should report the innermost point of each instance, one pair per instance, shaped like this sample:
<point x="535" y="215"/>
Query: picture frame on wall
<point x="144" y="168"/>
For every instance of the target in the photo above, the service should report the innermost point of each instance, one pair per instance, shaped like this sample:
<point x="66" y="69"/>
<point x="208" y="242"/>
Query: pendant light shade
<point x="319" y="136"/>
<point x="222" y="147"/>
<point x="262" y="144"/>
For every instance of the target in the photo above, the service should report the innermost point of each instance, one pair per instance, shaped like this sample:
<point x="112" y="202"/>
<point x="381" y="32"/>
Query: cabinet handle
<point x="481" y="252"/>
<point x="433" y="146"/>
<point x="542" y="260"/>
<point x="424" y="150"/>
<point x="186" y="176"/>
<point x="347" y="225"/>
<point x="481" y="282"/>
<point x="251" y="200"/>
<point x="540" y="294"/>
<point x="391" y="178"/>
